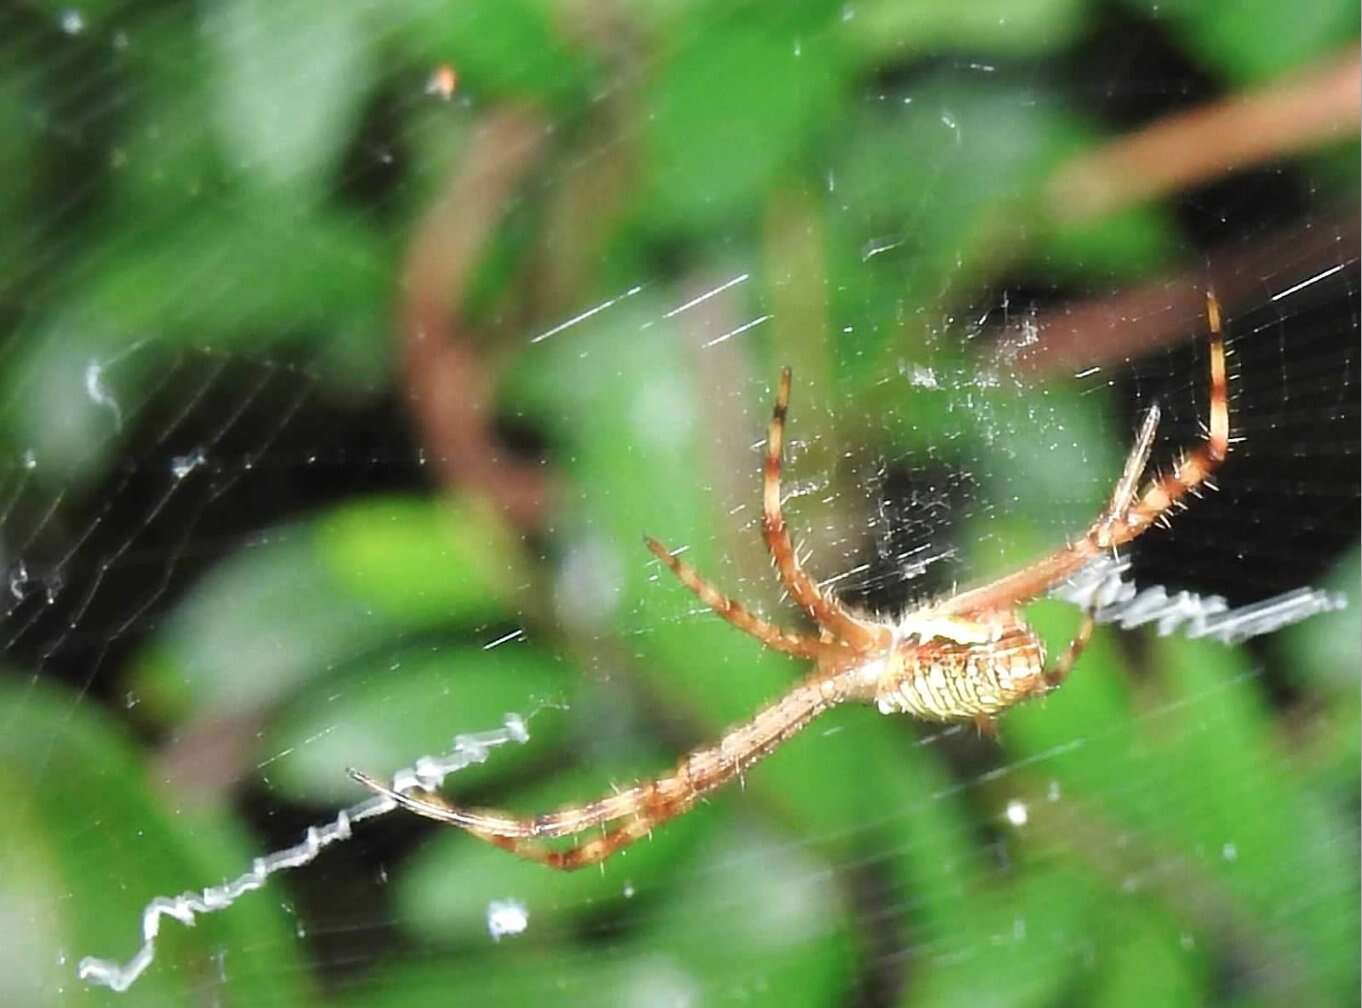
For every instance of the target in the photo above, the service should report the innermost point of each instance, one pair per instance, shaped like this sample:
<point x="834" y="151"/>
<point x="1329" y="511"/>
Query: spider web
<point x="348" y="356"/>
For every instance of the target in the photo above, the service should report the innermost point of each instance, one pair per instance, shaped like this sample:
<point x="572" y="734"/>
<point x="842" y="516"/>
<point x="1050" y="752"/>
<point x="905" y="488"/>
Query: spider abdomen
<point x="942" y="680"/>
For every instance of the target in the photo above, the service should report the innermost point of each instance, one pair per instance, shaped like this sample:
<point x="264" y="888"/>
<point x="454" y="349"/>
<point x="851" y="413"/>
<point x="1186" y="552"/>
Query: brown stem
<point x="1140" y="320"/>
<point x="1285" y="117"/>
<point x="449" y="390"/>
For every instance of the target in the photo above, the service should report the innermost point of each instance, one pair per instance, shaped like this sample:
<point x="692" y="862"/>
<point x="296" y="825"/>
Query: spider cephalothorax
<point x="968" y="656"/>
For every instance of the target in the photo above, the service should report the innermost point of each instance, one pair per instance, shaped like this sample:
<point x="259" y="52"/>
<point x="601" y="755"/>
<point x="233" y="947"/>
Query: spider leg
<point x="1061" y="667"/>
<point x="827" y="613"/>
<point x="518" y="836"/>
<point x="1195" y="468"/>
<point x="1153" y="504"/>
<point x="580" y="855"/>
<point x="799" y="645"/>
<point x="1124" y="494"/>
<point x="646" y="805"/>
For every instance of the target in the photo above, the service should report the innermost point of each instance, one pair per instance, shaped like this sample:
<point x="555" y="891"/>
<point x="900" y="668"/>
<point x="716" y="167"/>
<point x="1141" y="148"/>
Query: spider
<point x="965" y="657"/>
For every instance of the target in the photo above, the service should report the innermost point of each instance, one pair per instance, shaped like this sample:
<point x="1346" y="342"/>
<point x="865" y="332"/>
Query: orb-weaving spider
<point x="965" y="657"/>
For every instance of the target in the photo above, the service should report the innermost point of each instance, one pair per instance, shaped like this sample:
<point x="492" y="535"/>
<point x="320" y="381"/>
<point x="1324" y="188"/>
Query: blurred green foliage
<point x="188" y="179"/>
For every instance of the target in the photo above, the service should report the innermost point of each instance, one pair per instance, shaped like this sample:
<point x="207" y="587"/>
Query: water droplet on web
<point x="804" y="488"/>
<point x="1017" y="814"/>
<point x="99" y="394"/>
<point x="30" y="460"/>
<point x="920" y="376"/>
<point x="182" y="465"/>
<point x="1229" y="852"/>
<point x="506" y="917"/>
<point x="18" y="581"/>
<point x="72" y="22"/>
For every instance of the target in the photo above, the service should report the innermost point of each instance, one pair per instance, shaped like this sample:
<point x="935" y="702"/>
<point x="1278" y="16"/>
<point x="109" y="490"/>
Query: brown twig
<point x="1143" y="319"/>
<point x="1285" y="117"/>
<point x="449" y="390"/>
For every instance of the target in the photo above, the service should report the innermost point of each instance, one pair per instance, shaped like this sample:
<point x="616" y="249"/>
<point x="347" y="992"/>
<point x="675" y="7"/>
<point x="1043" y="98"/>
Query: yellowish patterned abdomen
<point x="942" y="680"/>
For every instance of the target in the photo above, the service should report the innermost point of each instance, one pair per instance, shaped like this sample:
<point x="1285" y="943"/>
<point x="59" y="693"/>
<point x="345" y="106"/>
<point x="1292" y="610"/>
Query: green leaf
<point x="1144" y="961"/>
<point x="274" y="265"/>
<point x="359" y="578"/>
<point x="21" y="171"/>
<point x="951" y="156"/>
<point x="89" y="16"/>
<point x="783" y="922"/>
<point x="1245" y="819"/>
<point x="387" y="714"/>
<point x="731" y="110"/>
<point x="88" y="846"/>
<point x="924" y="825"/>
<point x="421" y="561"/>
<point x="1048" y="451"/>
<point x="1254" y="40"/>
<point x="889" y="28"/>
<point x="1083" y="730"/>
<point x="934" y="184"/>
<point x="166" y="162"/>
<point x="1120" y="247"/>
<point x="1193" y="782"/>
<point x="1322" y="655"/>
<point x="1018" y="949"/>
<point x="264" y="275"/>
<point x="1323" y="651"/>
<point x="519" y="971"/>
<point x="290" y="78"/>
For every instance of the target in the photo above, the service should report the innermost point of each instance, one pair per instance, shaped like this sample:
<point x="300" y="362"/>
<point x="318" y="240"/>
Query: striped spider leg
<point x="968" y="656"/>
